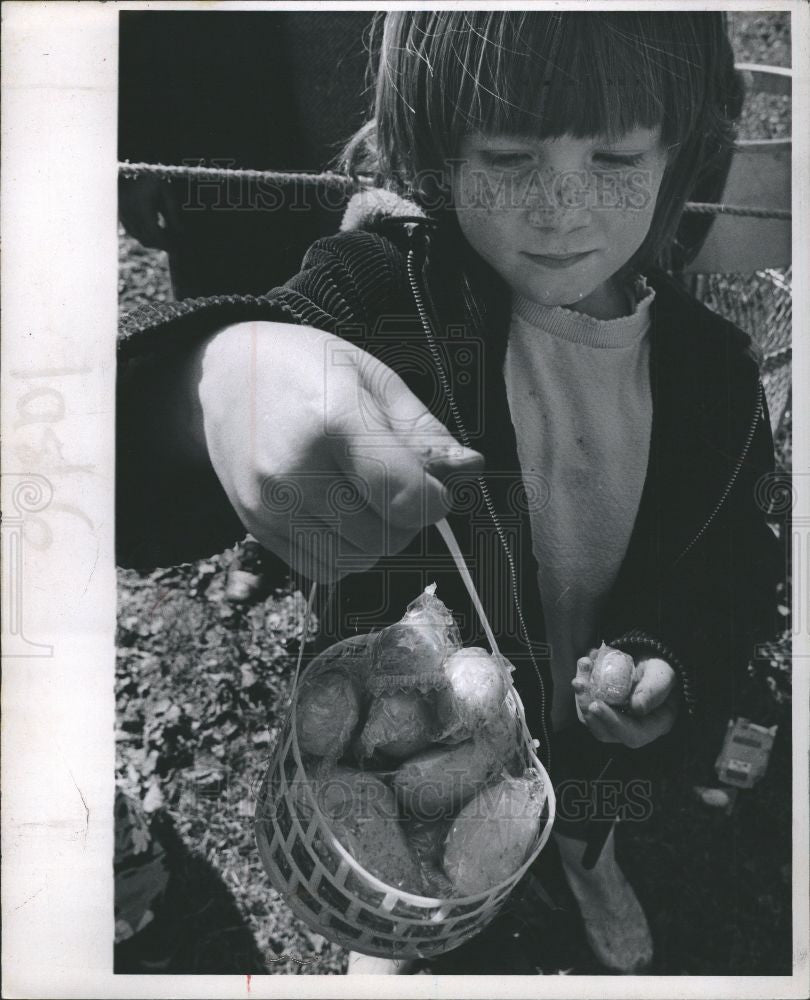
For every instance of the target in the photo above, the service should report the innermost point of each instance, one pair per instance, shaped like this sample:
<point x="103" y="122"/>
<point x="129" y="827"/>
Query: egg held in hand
<point x="612" y="676"/>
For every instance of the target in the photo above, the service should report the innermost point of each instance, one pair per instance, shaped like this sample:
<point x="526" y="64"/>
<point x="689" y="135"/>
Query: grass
<point x="201" y="690"/>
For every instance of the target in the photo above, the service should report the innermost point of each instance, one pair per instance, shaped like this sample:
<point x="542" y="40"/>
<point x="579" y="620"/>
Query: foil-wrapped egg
<point x="612" y="676"/>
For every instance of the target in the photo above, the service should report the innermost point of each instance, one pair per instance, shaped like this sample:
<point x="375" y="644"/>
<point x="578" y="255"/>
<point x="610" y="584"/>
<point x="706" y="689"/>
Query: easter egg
<point x="612" y="676"/>
<point x="477" y="686"/>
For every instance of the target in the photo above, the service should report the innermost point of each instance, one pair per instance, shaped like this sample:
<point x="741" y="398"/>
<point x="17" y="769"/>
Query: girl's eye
<point x="619" y="159"/>
<point x="508" y="161"/>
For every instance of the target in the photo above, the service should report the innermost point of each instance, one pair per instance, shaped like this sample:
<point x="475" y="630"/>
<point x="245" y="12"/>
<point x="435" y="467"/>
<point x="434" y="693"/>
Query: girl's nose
<point x="560" y="200"/>
<point x="559" y="220"/>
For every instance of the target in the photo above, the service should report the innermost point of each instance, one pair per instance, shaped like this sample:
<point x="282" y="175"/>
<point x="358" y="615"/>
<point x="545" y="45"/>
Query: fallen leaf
<point x="318" y="941"/>
<point x="153" y="799"/>
<point x="150" y="763"/>
<point x="174" y="714"/>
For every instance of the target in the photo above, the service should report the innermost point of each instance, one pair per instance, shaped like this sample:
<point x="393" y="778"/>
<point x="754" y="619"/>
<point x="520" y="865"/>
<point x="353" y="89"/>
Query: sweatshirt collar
<point x="577" y="327"/>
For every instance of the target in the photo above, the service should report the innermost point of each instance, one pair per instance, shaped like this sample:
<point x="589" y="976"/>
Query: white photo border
<point x="59" y="289"/>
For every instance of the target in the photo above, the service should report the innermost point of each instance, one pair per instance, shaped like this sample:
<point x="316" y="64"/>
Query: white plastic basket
<point x="335" y="895"/>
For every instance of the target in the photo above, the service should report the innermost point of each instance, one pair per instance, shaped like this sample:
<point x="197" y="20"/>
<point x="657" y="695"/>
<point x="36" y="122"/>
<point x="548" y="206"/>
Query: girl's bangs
<point x="546" y="75"/>
<point x="446" y="74"/>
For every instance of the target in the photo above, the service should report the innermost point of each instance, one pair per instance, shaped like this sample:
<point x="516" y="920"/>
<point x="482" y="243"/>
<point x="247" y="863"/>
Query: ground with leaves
<point x="201" y="690"/>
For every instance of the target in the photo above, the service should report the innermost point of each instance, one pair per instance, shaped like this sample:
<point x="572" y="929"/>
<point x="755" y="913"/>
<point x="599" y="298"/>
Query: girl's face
<point x="557" y="218"/>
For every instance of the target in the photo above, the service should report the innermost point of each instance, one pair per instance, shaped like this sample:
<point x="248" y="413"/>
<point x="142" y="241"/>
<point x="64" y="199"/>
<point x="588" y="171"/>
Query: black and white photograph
<point x="452" y="546"/>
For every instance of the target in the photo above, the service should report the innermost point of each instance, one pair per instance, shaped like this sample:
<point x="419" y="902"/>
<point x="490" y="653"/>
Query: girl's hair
<point x="442" y="74"/>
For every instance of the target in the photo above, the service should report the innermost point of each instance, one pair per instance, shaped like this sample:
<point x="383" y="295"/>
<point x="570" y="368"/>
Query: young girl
<point x="489" y="338"/>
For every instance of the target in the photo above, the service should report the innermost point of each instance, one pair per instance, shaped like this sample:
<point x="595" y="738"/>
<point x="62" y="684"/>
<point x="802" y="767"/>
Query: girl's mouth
<point x="557" y="260"/>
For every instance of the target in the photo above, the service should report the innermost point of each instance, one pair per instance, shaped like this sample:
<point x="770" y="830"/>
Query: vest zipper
<point x="482" y="484"/>
<point x="758" y="415"/>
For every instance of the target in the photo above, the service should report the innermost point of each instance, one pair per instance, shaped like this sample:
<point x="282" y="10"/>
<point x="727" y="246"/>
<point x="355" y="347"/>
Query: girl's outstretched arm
<point x="263" y="426"/>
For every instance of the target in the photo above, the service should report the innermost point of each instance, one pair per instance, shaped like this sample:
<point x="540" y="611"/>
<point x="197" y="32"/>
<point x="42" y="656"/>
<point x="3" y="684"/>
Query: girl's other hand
<point x="651" y="712"/>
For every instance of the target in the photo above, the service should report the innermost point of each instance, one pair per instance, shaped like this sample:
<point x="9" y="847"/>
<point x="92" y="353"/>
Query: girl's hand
<point x="651" y="712"/>
<point x="327" y="457"/>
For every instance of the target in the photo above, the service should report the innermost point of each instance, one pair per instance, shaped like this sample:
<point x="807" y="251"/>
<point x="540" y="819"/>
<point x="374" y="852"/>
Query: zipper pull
<point x="417" y="230"/>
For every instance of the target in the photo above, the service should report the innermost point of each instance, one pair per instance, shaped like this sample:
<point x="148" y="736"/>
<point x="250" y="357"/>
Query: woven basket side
<point x="331" y="892"/>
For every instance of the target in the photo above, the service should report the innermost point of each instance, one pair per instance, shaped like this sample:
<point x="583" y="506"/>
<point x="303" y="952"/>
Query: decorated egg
<point x="612" y="676"/>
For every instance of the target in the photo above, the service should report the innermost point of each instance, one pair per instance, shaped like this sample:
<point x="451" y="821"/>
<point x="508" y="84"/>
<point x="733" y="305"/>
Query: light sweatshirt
<point x="580" y="402"/>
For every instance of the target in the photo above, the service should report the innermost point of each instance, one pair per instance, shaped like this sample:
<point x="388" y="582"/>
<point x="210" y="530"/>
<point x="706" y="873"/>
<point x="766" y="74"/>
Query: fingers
<point x="609" y="726"/>
<point x="383" y="433"/>
<point x="399" y="491"/>
<point x="582" y="682"/>
<point x="656" y="680"/>
<point x="401" y="411"/>
<point x="406" y="416"/>
<point x="401" y="456"/>
<point x="338" y="503"/>
<point x="652" y="710"/>
<point x="596" y="725"/>
<point x="352" y="455"/>
<point x="317" y="555"/>
<point x="372" y="508"/>
<point x="582" y="686"/>
<point x="443" y="461"/>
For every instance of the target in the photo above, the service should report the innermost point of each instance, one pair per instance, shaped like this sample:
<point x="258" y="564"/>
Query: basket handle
<point x="453" y="547"/>
<point x="304" y="634"/>
<point x="450" y="541"/>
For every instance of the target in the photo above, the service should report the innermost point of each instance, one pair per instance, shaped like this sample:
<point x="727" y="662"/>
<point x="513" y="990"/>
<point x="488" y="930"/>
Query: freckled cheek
<point x="623" y="236"/>
<point x="638" y="220"/>
<point x="475" y="197"/>
<point x="625" y="227"/>
<point x="490" y="231"/>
